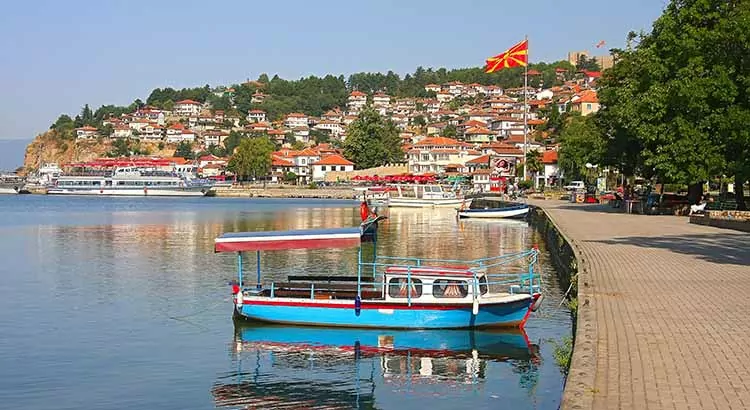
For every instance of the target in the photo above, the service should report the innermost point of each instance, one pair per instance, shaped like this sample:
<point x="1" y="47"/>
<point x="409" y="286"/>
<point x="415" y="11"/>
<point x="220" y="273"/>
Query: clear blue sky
<point x="58" y="55"/>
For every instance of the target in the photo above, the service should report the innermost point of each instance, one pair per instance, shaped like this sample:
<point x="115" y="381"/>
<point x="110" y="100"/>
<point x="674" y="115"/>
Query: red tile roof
<point x="356" y="93"/>
<point x="484" y="159"/>
<point x="334" y="159"/>
<point x="549" y="157"/>
<point x="280" y="162"/>
<point x="188" y="102"/>
<point x="437" y="141"/>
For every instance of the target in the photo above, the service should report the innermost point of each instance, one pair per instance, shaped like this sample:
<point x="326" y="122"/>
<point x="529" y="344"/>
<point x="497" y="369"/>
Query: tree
<point x="686" y="94"/>
<point x="253" y="158"/>
<point x="450" y="131"/>
<point x="217" y="150"/>
<point x="232" y="141"/>
<point x="372" y="141"/>
<point x="320" y="136"/>
<point x="184" y="150"/>
<point x="581" y="142"/>
<point x="587" y="64"/>
<point x="105" y="130"/>
<point x="534" y="162"/>
<point x="419" y="121"/>
<point x="120" y="148"/>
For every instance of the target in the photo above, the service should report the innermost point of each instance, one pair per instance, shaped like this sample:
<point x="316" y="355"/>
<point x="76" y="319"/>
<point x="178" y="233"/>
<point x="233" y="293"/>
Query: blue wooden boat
<point x="515" y="212"/>
<point x="388" y="292"/>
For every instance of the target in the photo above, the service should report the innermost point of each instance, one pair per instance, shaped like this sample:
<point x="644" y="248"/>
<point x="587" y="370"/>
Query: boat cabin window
<point x="397" y="288"/>
<point x="483" y="286"/>
<point x="449" y="288"/>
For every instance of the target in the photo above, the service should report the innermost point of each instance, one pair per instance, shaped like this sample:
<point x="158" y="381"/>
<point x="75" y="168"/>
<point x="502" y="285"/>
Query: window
<point x="588" y="106"/>
<point x="342" y="168"/>
<point x="447" y="288"/>
<point x="322" y="167"/>
<point x="302" y="161"/>
<point x="483" y="286"/>
<point x="397" y="288"/>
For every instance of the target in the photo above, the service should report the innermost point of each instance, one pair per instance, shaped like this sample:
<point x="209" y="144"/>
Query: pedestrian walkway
<point x="664" y="316"/>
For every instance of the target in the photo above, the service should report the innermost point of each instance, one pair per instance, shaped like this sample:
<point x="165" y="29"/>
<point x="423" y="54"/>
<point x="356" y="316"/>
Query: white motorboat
<point x="424" y="196"/>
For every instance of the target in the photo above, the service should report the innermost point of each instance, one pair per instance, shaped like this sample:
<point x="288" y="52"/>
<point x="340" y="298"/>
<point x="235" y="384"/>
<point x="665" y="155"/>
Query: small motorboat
<point x="514" y="211"/>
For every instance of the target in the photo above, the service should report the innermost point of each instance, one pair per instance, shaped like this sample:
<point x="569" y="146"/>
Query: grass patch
<point x="562" y="352"/>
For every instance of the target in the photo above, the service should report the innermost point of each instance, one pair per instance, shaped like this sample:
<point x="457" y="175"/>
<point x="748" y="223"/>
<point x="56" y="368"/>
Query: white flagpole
<point x="525" y="106"/>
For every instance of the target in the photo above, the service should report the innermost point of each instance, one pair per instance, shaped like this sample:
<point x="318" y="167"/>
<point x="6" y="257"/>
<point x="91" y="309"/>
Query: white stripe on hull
<point x="426" y="203"/>
<point x="5" y="190"/>
<point x="126" y="192"/>
<point x="495" y="214"/>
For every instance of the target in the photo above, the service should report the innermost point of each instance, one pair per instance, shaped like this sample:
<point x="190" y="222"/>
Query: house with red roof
<point x="153" y="132"/>
<point x="438" y="154"/>
<point x="186" y="108"/>
<point x="86" y="132"/>
<point x="356" y="101"/>
<point x="122" y="131"/>
<point x="214" y="137"/>
<point x="301" y="160"/>
<point x="256" y="116"/>
<point x="479" y="135"/>
<point x="328" y="164"/>
<point x="586" y="102"/>
<point x="552" y="173"/>
<point x="295" y="119"/>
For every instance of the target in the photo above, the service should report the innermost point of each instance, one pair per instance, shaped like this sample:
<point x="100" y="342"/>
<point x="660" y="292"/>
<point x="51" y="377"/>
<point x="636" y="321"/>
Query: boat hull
<point x="197" y="191"/>
<point x="516" y="213"/>
<point x="376" y="314"/>
<point x="426" y="203"/>
<point x="8" y="190"/>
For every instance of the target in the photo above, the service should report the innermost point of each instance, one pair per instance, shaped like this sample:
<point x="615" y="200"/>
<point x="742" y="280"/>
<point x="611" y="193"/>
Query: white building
<point x="186" y="108"/>
<point x="122" y="131"/>
<point x="333" y="127"/>
<point x="256" y="116"/>
<point x="435" y="154"/>
<point x="330" y="163"/>
<point x="357" y="100"/>
<point x="86" y="132"/>
<point x="295" y="119"/>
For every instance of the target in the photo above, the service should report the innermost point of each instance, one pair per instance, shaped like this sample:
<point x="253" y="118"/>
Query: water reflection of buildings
<point x="298" y="367"/>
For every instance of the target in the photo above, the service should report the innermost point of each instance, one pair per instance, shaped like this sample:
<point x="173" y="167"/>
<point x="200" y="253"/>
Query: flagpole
<point x="525" y="105"/>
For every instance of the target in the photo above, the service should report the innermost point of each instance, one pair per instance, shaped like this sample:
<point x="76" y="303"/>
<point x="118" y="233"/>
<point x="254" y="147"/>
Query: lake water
<point x="113" y="303"/>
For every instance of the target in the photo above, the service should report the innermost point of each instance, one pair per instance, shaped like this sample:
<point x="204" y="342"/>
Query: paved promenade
<point x="664" y="319"/>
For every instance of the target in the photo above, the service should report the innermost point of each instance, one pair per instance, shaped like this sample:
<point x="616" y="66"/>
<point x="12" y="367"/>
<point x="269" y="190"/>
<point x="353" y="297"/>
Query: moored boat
<point x="389" y="292"/>
<point x="11" y="184"/>
<point x="518" y="211"/>
<point x="424" y="196"/>
<point x="129" y="181"/>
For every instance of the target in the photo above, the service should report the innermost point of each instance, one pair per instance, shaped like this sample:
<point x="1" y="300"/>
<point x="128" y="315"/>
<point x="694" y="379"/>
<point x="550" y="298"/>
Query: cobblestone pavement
<point x="664" y="317"/>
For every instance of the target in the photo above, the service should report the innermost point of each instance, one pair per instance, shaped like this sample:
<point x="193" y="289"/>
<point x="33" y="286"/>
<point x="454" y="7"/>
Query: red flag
<point x="516" y="56"/>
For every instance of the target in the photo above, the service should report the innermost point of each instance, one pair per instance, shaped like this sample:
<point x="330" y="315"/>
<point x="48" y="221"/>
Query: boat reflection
<point x="306" y="367"/>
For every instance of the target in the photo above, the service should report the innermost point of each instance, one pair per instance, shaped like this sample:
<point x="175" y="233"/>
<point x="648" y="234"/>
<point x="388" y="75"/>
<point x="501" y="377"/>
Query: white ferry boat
<point x="130" y="181"/>
<point x="425" y="196"/>
<point x="11" y="184"/>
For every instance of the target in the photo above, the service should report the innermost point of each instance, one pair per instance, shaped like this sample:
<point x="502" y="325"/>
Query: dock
<point x="663" y="317"/>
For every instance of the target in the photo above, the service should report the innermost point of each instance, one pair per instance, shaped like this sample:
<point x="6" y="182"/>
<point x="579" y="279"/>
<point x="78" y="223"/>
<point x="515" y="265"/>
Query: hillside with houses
<point x="449" y="128"/>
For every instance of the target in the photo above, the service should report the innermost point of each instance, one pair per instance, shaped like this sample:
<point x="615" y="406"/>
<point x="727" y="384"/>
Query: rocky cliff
<point x="49" y="147"/>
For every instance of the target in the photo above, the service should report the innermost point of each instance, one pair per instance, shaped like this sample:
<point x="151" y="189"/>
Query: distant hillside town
<point x="451" y="128"/>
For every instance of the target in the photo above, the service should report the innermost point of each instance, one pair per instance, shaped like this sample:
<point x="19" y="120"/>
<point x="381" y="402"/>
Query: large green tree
<point x="581" y="142"/>
<point x="252" y="158"/>
<point x="372" y="141"/>
<point x="681" y="94"/>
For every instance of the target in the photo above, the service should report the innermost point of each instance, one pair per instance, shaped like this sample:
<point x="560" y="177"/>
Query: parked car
<point x="575" y="186"/>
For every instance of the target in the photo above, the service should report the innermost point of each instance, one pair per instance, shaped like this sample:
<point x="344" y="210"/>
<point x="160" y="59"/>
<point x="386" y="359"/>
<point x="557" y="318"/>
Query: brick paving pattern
<point x="664" y="317"/>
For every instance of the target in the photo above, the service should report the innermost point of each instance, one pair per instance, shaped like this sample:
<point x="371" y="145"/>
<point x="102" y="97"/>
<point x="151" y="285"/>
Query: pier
<point x="663" y="311"/>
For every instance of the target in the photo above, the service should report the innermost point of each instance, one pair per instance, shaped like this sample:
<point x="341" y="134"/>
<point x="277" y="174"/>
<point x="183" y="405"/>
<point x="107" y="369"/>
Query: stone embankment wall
<point x="737" y="220"/>
<point x="292" y="192"/>
<point x="392" y="169"/>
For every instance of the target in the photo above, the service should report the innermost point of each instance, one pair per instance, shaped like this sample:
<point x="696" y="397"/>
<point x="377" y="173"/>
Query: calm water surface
<point x="121" y="304"/>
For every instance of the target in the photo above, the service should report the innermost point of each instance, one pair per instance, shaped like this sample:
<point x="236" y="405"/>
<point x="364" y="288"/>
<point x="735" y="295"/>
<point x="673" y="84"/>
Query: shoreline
<point x="269" y="192"/>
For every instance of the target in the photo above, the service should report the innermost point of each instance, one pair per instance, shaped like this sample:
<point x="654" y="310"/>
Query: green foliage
<point x="450" y="131"/>
<point x="534" y="162"/>
<point x="676" y="105"/>
<point x="419" y="121"/>
<point x="587" y="64"/>
<point x="320" y="136"/>
<point x="184" y="150"/>
<point x="372" y="141"/>
<point x="64" y="127"/>
<point x="253" y="158"/>
<point x="160" y="97"/>
<point x="581" y="142"/>
<point x="160" y="146"/>
<point x="562" y="352"/>
<point x="232" y="141"/>
<point x="527" y="184"/>
<point x="290" y="177"/>
<point x="217" y="150"/>
<point x="298" y="145"/>
<point x="120" y="148"/>
<point x="105" y="130"/>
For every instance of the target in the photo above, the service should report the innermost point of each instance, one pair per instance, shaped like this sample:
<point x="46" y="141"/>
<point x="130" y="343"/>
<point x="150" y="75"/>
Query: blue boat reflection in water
<point x="308" y="367"/>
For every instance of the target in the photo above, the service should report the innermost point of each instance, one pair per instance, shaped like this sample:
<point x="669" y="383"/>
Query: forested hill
<point x="316" y="95"/>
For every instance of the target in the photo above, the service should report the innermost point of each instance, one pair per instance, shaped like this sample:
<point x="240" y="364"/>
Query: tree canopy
<point x="677" y="103"/>
<point x="252" y="158"/>
<point x="372" y="141"/>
